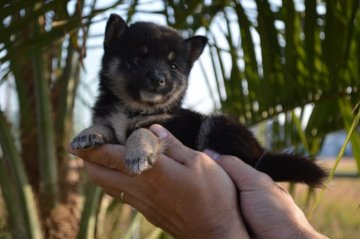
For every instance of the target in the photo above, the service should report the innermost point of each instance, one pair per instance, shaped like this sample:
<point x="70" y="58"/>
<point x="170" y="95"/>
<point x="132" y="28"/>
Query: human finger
<point x="107" y="178"/>
<point x="244" y="176"/>
<point x="149" y="211"/>
<point x="114" y="183"/>
<point x="172" y="147"/>
<point x="123" y="197"/>
<point x="112" y="179"/>
<point x="109" y="155"/>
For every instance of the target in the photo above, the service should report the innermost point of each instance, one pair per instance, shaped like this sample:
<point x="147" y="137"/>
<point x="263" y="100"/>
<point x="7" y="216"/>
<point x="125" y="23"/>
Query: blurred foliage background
<point x="293" y="65"/>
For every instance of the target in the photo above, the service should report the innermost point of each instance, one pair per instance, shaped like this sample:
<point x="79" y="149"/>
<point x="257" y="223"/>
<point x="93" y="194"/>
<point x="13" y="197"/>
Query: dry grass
<point x="346" y="165"/>
<point x="338" y="214"/>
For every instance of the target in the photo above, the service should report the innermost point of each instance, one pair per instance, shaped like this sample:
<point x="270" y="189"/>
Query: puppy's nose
<point x="157" y="80"/>
<point x="160" y="81"/>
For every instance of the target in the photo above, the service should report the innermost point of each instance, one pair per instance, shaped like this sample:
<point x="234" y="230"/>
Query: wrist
<point x="306" y="232"/>
<point x="311" y="233"/>
<point x="223" y="230"/>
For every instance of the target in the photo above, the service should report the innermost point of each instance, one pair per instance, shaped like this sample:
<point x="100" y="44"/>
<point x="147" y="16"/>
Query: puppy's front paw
<point x="139" y="159"/>
<point x="142" y="148"/>
<point x="87" y="141"/>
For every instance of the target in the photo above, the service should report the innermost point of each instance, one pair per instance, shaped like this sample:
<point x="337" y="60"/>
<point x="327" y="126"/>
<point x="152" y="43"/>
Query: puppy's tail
<point x="291" y="168"/>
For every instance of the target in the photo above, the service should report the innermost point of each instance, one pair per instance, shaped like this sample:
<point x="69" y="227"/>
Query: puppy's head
<point x="147" y="65"/>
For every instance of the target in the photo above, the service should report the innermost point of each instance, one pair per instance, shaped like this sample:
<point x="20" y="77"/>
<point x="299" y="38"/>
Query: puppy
<point x="143" y="80"/>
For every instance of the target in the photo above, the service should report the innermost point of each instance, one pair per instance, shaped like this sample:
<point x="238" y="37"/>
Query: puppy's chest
<point x="123" y="124"/>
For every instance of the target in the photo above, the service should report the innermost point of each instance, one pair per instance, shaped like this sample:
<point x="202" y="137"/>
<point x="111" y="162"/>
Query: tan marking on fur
<point x="139" y="121"/>
<point x="149" y="108"/>
<point x="117" y="82"/>
<point x="119" y="90"/>
<point x="141" y="150"/>
<point x="171" y="56"/>
<point x="120" y="124"/>
<point x="150" y="98"/>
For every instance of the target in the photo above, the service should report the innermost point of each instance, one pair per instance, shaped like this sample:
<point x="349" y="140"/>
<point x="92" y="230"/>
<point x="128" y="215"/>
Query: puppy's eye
<point x="173" y="67"/>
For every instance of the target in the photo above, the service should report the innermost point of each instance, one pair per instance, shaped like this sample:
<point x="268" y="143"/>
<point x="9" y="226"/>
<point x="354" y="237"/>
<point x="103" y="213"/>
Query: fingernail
<point x="161" y="132"/>
<point x="212" y="154"/>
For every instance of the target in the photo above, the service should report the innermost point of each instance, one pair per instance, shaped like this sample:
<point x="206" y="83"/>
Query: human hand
<point x="268" y="209"/>
<point x="185" y="193"/>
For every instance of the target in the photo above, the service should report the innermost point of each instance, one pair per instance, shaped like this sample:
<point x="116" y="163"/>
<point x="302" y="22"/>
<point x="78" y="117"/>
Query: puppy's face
<point x="147" y="65"/>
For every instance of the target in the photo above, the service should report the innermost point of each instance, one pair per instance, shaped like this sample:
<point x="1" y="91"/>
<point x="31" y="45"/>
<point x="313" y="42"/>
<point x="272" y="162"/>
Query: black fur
<point x="143" y="79"/>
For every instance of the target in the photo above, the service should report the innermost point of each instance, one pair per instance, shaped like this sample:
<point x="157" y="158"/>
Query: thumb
<point x="171" y="146"/>
<point x="245" y="177"/>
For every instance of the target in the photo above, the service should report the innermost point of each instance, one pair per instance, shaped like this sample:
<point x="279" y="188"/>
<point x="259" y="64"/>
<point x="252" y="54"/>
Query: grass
<point x="347" y="166"/>
<point x="338" y="214"/>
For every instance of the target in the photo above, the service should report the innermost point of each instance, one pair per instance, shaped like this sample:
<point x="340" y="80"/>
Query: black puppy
<point x="143" y="80"/>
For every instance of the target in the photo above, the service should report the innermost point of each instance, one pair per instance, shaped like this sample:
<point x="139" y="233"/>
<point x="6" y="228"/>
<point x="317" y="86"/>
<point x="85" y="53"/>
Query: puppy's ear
<point x="115" y="28"/>
<point x="196" y="46"/>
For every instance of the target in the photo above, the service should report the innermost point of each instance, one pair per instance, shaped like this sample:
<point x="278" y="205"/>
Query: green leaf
<point x="349" y="118"/>
<point x="17" y="24"/>
<point x="251" y="71"/>
<point x="89" y="214"/>
<point x="351" y="130"/>
<point x="46" y="140"/>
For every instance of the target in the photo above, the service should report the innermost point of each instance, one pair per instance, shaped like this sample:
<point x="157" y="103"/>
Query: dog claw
<point x="87" y="141"/>
<point x="140" y="161"/>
